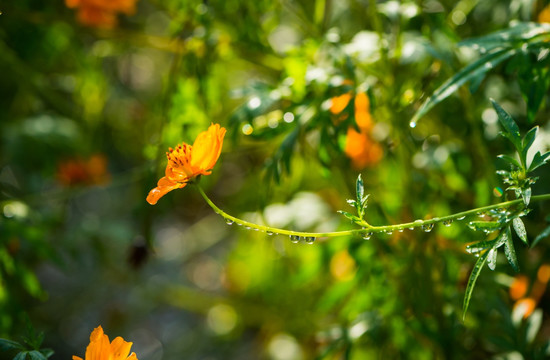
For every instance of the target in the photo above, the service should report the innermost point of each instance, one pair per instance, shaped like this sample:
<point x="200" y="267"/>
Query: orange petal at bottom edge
<point x="160" y="191"/>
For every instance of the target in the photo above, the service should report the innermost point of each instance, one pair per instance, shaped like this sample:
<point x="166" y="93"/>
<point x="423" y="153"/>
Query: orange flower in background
<point x="92" y="171"/>
<point x="101" y="349"/>
<point x="360" y="148"/>
<point x="544" y="15"/>
<point x="186" y="162"/>
<point x="101" y="13"/>
<point x="518" y="290"/>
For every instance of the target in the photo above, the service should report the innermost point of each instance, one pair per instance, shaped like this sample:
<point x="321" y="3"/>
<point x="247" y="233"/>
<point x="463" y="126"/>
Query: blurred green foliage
<point x="87" y="114"/>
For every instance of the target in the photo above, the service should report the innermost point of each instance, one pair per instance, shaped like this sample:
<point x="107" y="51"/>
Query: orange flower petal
<point x="519" y="287"/>
<point x="120" y="348"/>
<point x="165" y="185"/>
<point x="100" y="348"/>
<point x="544" y="15"/>
<point x="186" y="162"/>
<point x="339" y="103"/>
<point x="207" y="149"/>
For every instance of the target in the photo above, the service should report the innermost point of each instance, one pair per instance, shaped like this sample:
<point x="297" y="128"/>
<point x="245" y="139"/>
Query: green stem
<point x="366" y="228"/>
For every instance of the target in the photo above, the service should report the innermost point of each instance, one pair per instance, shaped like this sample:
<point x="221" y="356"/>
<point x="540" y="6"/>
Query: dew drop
<point x="389" y="232"/>
<point x="461" y="218"/>
<point x="294" y="238"/>
<point x="427" y="227"/>
<point x="448" y="222"/>
<point x="310" y="239"/>
<point x="401" y="230"/>
<point x="229" y="222"/>
<point x="412" y="124"/>
<point x="367" y="236"/>
<point x="268" y="232"/>
<point x="247" y="227"/>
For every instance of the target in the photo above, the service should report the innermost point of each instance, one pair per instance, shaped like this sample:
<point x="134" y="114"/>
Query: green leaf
<point x="486" y="226"/>
<point x="480" y="246"/>
<point x="509" y="125"/>
<point x="519" y="227"/>
<point x="21" y="356"/>
<point x="509" y="250"/>
<point x="539" y="160"/>
<point x="349" y="216"/>
<point x="527" y="142"/>
<point x="526" y="195"/>
<point x="510" y="159"/>
<point x="37" y="355"/>
<point x="473" y="70"/>
<point x="47" y="352"/>
<point x="472" y="281"/>
<point x="492" y="258"/>
<point x="544" y="233"/>
<point x="6" y="344"/>
<point x="521" y="32"/>
<point x="359" y="189"/>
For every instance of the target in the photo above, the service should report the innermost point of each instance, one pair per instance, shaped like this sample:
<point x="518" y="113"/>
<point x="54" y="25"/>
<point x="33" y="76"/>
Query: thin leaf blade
<point x="473" y="70"/>
<point x="472" y="281"/>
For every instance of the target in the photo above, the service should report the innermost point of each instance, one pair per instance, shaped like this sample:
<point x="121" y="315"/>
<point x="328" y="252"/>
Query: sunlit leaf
<point x="510" y="159"/>
<point x="519" y="227"/>
<point x="526" y="195"/>
<point x="509" y="250"/>
<point x="349" y="216"/>
<point x="472" y="281"/>
<point x="509" y="125"/>
<point x="480" y="246"/>
<point x="528" y="140"/>
<point x="485" y="225"/>
<point x="521" y="32"/>
<point x="477" y="68"/>
<point x="539" y="160"/>
<point x="359" y="190"/>
<point x="492" y="258"/>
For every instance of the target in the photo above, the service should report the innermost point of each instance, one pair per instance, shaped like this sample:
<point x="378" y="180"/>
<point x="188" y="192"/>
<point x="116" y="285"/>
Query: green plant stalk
<point x="366" y="227"/>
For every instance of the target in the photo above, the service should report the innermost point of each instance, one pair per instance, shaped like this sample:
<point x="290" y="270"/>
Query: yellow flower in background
<point x="101" y="13"/>
<point x="101" y="349"/>
<point x="186" y="162"/>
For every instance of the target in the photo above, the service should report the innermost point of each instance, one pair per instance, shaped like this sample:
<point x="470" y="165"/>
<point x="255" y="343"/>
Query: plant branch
<point x="367" y="229"/>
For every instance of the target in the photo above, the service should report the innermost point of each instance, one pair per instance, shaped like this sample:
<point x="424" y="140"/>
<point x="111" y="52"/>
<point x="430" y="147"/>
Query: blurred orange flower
<point x="101" y="349"/>
<point x="360" y="148"/>
<point x="544" y="15"/>
<point x="83" y="172"/>
<point x="186" y="162"/>
<point x="518" y="290"/>
<point x="101" y="13"/>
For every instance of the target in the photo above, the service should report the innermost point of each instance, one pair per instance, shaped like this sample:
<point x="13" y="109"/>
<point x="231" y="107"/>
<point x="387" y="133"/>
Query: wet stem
<point x="367" y="229"/>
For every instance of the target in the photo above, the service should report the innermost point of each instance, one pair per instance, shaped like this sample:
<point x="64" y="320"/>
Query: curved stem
<point x="367" y="229"/>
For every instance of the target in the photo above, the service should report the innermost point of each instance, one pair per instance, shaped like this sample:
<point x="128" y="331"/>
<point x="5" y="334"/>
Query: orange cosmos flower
<point x="520" y="286"/>
<point x="78" y="171"/>
<point x="101" y="349"/>
<point x="544" y="15"/>
<point x="360" y="148"/>
<point x="101" y="13"/>
<point x="186" y="162"/>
